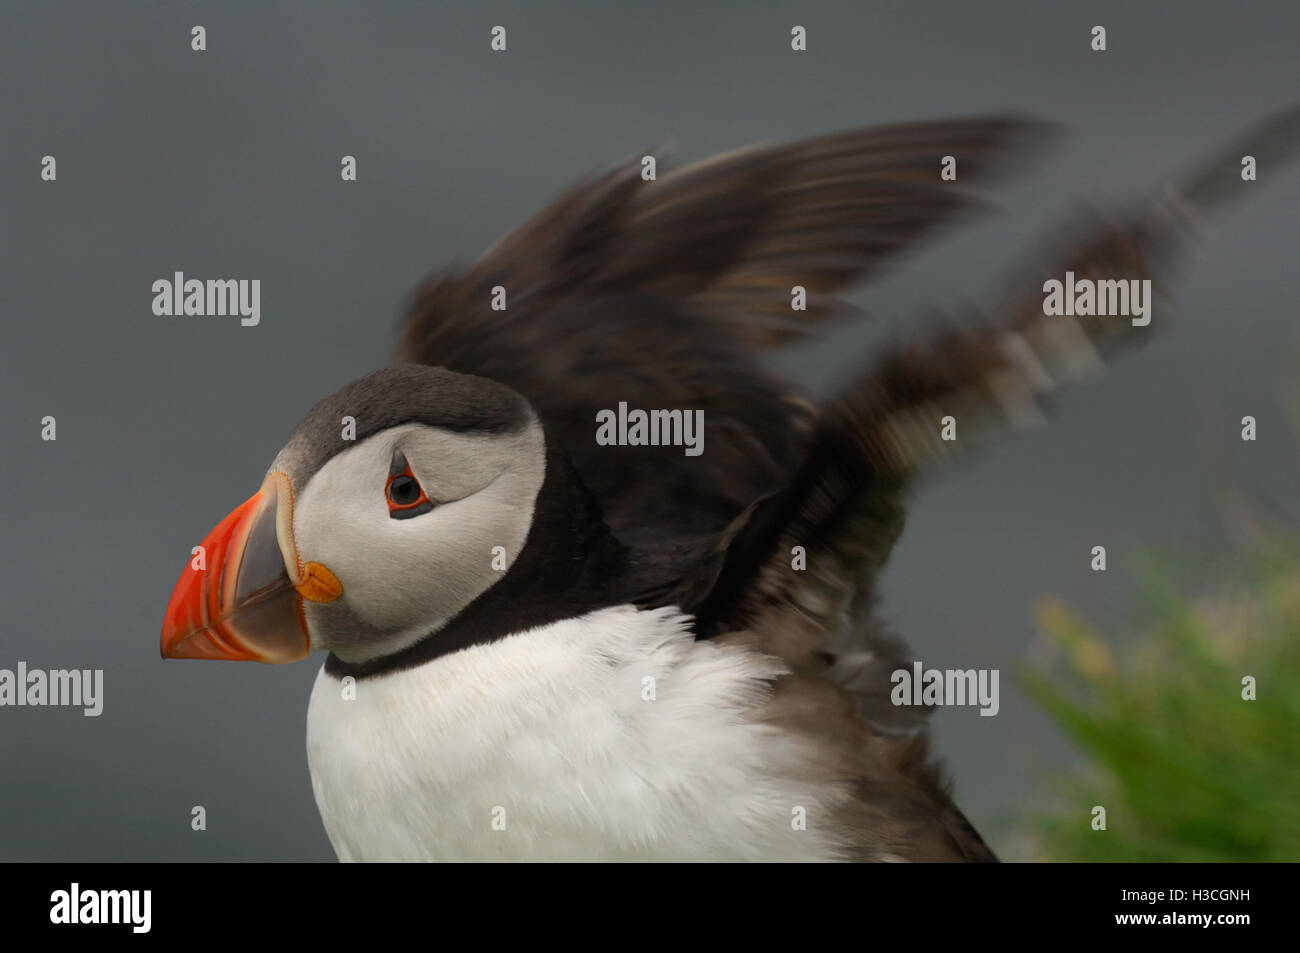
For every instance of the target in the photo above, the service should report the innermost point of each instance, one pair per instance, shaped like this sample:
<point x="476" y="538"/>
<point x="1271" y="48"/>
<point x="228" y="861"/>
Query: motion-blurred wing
<point x="844" y="505"/>
<point x="659" y="293"/>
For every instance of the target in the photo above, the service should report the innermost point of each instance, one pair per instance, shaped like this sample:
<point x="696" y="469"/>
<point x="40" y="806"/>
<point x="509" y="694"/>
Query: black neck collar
<point x="570" y="565"/>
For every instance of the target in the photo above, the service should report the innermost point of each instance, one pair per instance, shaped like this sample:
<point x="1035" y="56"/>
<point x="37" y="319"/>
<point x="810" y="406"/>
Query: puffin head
<point x="376" y="524"/>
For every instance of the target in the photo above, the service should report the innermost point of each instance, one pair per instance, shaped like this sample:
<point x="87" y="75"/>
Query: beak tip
<point x="216" y="614"/>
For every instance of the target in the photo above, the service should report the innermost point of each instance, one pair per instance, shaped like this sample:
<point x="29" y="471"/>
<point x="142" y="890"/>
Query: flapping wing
<point x="660" y="293"/>
<point x="844" y="504"/>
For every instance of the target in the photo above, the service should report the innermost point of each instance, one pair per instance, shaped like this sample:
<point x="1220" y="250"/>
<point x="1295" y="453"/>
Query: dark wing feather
<point x="660" y="293"/>
<point x="844" y="504"/>
<point x="844" y="507"/>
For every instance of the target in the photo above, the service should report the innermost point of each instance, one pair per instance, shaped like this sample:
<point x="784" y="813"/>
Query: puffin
<point x="543" y="646"/>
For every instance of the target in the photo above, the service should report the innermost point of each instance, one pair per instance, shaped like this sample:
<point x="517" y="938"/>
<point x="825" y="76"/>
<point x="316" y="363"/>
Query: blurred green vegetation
<point x="1186" y="769"/>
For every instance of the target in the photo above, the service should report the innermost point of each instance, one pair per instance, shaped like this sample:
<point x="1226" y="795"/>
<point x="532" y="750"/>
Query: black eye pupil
<point x="403" y="491"/>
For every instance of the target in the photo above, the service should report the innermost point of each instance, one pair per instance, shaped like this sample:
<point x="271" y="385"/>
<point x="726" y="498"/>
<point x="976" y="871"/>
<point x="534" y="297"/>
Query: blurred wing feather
<point x="660" y="294"/>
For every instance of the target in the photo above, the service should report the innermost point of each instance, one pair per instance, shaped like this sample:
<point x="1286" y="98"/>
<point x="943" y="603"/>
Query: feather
<point x="659" y="293"/>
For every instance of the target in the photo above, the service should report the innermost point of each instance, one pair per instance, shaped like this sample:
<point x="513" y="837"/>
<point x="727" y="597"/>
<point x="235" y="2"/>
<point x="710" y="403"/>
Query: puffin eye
<point x="403" y="491"/>
<point x="406" y="498"/>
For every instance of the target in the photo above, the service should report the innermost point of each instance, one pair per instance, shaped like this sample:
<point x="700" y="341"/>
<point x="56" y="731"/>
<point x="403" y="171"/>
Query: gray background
<point x="226" y="163"/>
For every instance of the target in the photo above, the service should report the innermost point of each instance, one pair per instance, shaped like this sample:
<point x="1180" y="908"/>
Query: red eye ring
<point x="401" y="504"/>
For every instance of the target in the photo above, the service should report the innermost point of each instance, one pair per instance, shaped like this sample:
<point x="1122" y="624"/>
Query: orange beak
<point x="241" y="596"/>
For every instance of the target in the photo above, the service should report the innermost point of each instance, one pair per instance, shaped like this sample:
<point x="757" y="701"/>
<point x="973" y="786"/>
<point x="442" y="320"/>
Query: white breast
<point x="615" y="736"/>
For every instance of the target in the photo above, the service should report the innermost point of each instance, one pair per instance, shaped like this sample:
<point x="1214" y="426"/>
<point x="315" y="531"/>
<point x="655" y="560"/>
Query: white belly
<point x="615" y="736"/>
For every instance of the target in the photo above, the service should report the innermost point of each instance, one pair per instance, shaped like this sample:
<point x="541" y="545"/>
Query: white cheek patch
<point x="409" y="577"/>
